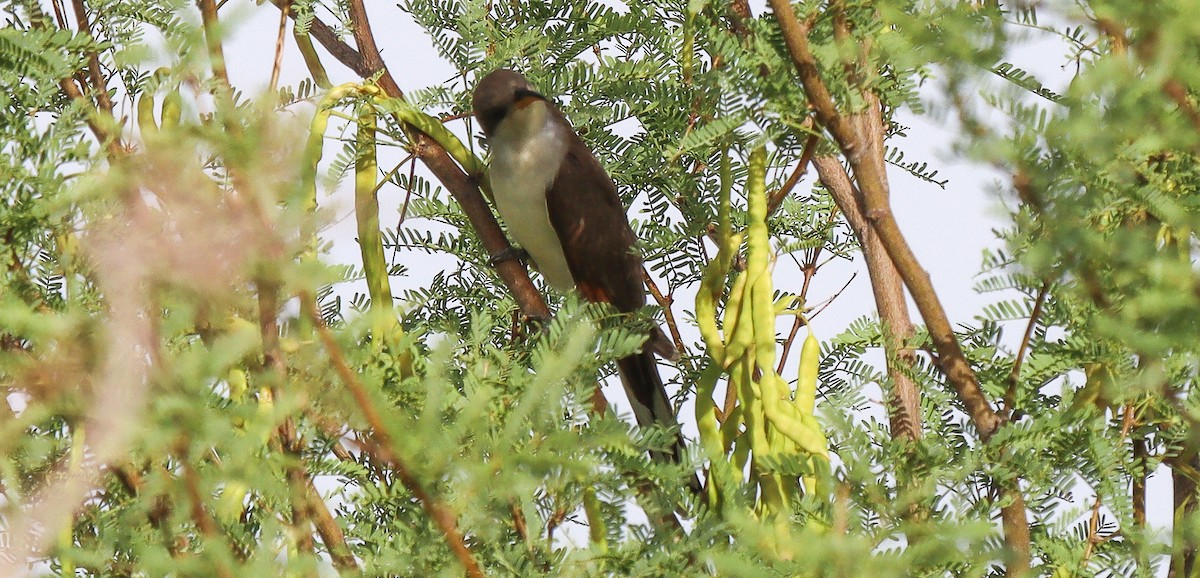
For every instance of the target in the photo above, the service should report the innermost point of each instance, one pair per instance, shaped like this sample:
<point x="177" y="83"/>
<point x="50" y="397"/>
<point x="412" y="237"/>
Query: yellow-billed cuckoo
<point x="563" y="209"/>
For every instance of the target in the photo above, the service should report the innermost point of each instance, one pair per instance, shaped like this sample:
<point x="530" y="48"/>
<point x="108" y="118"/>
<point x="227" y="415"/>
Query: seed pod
<point x="145" y="114"/>
<point x="172" y="109"/>
<point x="806" y="383"/>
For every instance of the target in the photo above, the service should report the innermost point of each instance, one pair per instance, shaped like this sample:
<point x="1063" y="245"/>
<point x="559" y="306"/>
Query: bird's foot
<point x="537" y="323"/>
<point x="509" y="254"/>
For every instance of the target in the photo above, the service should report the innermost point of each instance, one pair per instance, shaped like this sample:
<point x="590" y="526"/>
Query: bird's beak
<point x="526" y="97"/>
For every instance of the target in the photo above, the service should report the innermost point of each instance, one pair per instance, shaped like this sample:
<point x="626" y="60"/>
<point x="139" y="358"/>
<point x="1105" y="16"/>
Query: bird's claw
<point x="509" y="254"/>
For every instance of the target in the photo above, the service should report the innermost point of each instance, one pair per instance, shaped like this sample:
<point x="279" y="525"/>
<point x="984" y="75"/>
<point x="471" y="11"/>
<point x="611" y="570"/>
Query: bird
<point x="562" y="208"/>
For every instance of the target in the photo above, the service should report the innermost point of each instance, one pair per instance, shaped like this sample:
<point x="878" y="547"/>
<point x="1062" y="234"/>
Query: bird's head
<point x="501" y="91"/>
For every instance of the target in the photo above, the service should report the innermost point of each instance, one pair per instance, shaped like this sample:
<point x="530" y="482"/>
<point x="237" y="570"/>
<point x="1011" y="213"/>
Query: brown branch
<point x="871" y="179"/>
<point x="1010" y="394"/>
<point x="1093" y="537"/>
<point x="888" y="289"/>
<point x="1175" y="89"/>
<point x="95" y="74"/>
<point x="110" y="141"/>
<point x="101" y="129"/>
<point x="204" y="522"/>
<point x="776" y="200"/>
<point x="860" y="139"/>
<point x="274" y="371"/>
<point x="664" y="302"/>
<point x="795" y="36"/>
<point x="212" y="39"/>
<point x="518" y="518"/>
<point x="810" y="269"/>
<point x="340" y="452"/>
<point x="332" y="430"/>
<point x="439" y="512"/>
<point x="331" y="534"/>
<point x="278" y="63"/>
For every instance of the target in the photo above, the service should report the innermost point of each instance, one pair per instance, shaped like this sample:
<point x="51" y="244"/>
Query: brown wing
<point x="591" y="224"/>
<point x="599" y="246"/>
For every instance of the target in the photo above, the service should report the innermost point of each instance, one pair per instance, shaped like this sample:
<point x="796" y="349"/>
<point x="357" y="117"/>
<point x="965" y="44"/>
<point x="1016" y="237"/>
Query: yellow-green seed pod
<point x="806" y="383"/>
<point x="145" y="114"/>
<point x="238" y="384"/>
<point x="172" y="109"/>
<point x="232" y="502"/>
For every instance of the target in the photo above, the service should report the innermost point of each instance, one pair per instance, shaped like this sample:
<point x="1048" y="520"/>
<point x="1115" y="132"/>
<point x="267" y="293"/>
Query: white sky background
<point x="948" y="229"/>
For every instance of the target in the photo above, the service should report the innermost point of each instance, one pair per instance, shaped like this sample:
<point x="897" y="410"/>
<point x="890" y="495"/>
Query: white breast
<point x="527" y="149"/>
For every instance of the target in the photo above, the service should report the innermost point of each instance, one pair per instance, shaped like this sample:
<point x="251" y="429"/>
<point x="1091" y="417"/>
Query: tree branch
<point x="277" y="64"/>
<point x="858" y="137"/>
<point x="95" y="74"/>
<point x="204" y="522"/>
<point x="872" y="182"/>
<point x="212" y="38"/>
<point x="664" y="301"/>
<point x="100" y="124"/>
<point x="888" y="289"/>
<point x="331" y="534"/>
<point x="274" y="370"/>
<point x="439" y="512"/>
<point x="810" y="146"/>
<point x="1014" y="376"/>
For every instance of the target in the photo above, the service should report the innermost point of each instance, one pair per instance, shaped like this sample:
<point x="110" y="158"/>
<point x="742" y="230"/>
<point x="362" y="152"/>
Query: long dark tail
<point x="648" y="396"/>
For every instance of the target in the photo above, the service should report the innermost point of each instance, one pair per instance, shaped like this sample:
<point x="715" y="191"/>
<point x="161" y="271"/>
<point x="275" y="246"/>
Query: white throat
<point x="528" y="148"/>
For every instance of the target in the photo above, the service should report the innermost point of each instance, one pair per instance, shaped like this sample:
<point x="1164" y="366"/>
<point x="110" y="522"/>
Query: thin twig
<point x="453" y="117"/>
<point x="408" y="190"/>
<point x="664" y="302"/>
<point x="829" y="301"/>
<point x="204" y="522"/>
<point x="59" y="14"/>
<point x="95" y="74"/>
<point x="1093" y="532"/>
<point x="278" y="64"/>
<point x="1093" y="538"/>
<point x="439" y="512"/>
<point x="810" y="147"/>
<point x="1010" y="394"/>
<point x="810" y="269"/>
